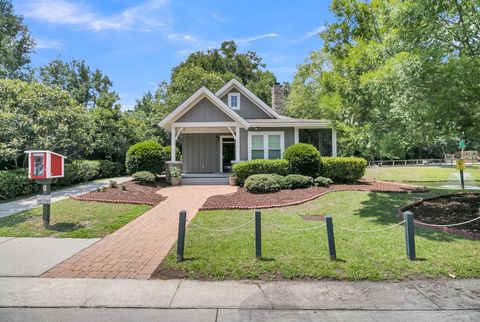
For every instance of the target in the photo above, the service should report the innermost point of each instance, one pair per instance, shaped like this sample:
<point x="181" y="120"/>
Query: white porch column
<point x="173" y="144"/>
<point x="237" y="144"/>
<point x="296" y="139"/>
<point x="334" y="143"/>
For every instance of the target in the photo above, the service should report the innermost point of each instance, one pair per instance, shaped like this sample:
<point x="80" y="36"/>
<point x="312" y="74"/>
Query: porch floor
<point x="214" y="178"/>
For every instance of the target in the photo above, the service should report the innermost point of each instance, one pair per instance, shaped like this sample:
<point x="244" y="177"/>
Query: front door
<point x="228" y="154"/>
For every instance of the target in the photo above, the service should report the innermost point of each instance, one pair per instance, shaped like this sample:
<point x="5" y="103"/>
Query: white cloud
<point x="189" y="38"/>
<point x="311" y="33"/>
<point x="256" y="38"/>
<point x="79" y="14"/>
<point x="44" y="43"/>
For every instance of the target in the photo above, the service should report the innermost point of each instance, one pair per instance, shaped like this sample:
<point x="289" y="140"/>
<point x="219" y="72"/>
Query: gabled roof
<point x="245" y="91"/>
<point x="203" y="92"/>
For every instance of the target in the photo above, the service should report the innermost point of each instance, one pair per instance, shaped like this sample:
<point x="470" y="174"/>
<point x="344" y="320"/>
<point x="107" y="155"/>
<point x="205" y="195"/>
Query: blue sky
<point x="136" y="43"/>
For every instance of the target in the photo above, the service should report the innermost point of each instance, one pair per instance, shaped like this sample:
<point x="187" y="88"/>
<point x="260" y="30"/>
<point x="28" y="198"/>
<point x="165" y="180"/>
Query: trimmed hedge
<point x="296" y="181"/>
<point x="303" y="159"/>
<point x="168" y="153"/>
<point x="343" y="169"/>
<point x="15" y="183"/>
<point x="144" y="176"/>
<point x="261" y="183"/>
<point x="110" y="169"/>
<point x="145" y="156"/>
<point x="245" y="169"/>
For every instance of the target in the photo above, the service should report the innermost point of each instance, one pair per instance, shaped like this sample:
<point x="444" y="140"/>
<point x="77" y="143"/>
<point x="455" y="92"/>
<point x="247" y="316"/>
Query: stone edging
<point x="451" y="230"/>
<point x="294" y="203"/>
<point x="80" y="198"/>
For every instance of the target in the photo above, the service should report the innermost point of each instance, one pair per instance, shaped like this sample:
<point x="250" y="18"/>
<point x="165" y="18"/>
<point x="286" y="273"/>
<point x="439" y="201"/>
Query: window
<point x="234" y="100"/>
<point x="265" y="145"/>
<point x="319" y="138"/>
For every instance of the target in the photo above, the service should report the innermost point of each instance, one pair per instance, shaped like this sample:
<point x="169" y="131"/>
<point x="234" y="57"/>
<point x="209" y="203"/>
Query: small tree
<point x="303" y="159"/>
<point x="145" y="156"/>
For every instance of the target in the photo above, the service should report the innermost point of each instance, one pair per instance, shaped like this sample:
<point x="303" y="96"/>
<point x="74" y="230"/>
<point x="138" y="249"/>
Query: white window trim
<point x="265" y="142"/>
<point x="238" y="100"/>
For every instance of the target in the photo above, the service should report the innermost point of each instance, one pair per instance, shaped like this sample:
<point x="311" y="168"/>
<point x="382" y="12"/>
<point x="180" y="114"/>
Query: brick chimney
<point x="278" y="95"/>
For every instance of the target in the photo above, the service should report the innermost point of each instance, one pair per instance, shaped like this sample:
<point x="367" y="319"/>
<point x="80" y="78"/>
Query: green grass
<point x="71" y="219"/>
<point x="287" y="254"/>
<point x="418" y="174"/>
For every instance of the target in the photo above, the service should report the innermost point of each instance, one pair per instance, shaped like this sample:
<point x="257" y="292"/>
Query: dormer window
<point x="234" y="101"/>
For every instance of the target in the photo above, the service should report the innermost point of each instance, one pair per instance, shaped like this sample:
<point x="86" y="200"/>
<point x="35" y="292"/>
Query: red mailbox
<point x="45" y="164"/>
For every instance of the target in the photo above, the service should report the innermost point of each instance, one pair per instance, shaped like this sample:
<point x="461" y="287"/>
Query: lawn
<point x="300" y="254"/>
<point x="73" y="219"/>
<point x="418" y="174"/>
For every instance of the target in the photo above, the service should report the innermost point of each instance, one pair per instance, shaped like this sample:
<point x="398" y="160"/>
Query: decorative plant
<point x="175" y="173"/>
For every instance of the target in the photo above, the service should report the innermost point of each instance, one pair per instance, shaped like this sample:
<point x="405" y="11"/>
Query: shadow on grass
<point x="65" y="227"/>
<point x="16" y="219"/>
<point x="383" y="208"/>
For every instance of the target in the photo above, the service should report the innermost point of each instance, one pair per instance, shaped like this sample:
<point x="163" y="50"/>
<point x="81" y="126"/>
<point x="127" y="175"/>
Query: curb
<point x="114" y="201"/>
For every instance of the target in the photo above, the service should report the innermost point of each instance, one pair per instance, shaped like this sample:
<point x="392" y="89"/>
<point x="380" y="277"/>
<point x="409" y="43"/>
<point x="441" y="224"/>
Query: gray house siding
<point x="289" y="138"/>
<point x="205" y="111"/>
<point x="248" y="109"/>
<point x="201" y="153"/>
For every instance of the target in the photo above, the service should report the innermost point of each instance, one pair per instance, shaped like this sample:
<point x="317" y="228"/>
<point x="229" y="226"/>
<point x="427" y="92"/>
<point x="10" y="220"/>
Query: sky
<point x="137" y="43"/>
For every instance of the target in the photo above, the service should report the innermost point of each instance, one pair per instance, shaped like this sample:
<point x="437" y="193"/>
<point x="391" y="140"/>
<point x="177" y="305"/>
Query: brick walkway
<point x="136" y="250"/>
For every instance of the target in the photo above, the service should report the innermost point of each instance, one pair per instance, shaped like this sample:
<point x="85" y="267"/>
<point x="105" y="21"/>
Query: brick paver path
<point x="136" y="250"/>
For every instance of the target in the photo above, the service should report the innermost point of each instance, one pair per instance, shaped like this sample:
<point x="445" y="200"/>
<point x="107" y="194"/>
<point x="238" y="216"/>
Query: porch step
<point x="204" y="180"/>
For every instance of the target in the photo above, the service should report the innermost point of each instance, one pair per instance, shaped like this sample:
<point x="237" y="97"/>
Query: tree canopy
<point x="400" y="78"/>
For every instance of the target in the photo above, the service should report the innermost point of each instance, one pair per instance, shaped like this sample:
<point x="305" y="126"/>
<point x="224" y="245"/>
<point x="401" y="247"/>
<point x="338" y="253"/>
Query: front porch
<point x="216" y="178"/>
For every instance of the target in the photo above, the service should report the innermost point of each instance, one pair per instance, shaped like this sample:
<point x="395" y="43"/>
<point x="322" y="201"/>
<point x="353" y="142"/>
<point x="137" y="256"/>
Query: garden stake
<point x="258" y="234"/>
<point x="331" y="238"/>
<point x="181" y="235"/>
<point x="409" y="235"/>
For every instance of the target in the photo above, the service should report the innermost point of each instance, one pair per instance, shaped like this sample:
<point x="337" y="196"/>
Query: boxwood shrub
<point x="296" y="181"/>
<point x="144" y="176"/>
<point x="145" y="156"/>
<point x="261" y="183"/>
<point x="110" y="169"/>
<point x="245" y="169"/>
<point x="343" y="169"/>
<point x="15" y="183"/>
<point x="303" y="159"/>
<point x="323" y="182"/>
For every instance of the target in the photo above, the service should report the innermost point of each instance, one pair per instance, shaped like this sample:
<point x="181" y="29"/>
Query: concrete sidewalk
<point x="42" y="299"/>
<point x="12" y="207"/>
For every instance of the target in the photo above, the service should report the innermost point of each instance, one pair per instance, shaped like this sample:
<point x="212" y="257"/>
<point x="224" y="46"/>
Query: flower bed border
<point x="332" y="188"/>
<point x="451" y="230"/>
<point x="80" y="198"/>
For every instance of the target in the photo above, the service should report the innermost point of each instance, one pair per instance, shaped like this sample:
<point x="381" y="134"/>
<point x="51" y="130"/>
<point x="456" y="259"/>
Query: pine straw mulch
<point x="134" y="193"/>
<point x="242" y="199"/>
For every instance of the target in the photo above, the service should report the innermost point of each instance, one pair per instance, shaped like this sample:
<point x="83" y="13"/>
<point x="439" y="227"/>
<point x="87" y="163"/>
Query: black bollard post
<point x="182" y="218"/>
<point x="258" y="234"/>
<point x="46" y="206"/>
<point x="409" y="235"/>
<point x="331" y="238"/>
<point x="462" y="179"/>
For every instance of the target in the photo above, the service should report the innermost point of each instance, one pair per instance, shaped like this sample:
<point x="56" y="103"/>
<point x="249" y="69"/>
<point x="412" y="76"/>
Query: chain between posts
<point x="221" y="230"/>
<point x="370" y="230"/>
<point x="294" y="229"/>
<point x="447" y="225"/>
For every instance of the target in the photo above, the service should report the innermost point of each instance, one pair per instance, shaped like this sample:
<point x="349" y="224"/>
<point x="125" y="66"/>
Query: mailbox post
<point x="45" y="167"/>
<point x="461" y="167"/>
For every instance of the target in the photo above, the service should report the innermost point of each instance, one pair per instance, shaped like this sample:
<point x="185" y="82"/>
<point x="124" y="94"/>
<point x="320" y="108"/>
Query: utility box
<point x="45" y="164"/>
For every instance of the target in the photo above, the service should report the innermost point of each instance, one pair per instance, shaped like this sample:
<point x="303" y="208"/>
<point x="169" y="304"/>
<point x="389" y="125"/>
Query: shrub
<point x="144" y="176"/>
<point x="303" y="159"/>
<point x="280" y="180"/>
<point x="109" y="169"/>
<point x="245" y="169"/>
<point x="175" y="172"/>
<point x="86" y="169"/>
<point x="295" y="181"/>
<point x="168" y="153"/>
<point x="261" y="183"/>
<point x="145" y="156"/>
<point x="343" y="169"/>
<point x="15" y="183"/>
<point x="112" y="184"/>
<point x="323" y="182"/>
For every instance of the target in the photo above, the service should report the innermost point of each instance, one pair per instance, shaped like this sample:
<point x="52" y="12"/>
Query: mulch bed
<point x="242" y="199"/>
<point x="135" y="193"/>
<point x="448" y="209"/>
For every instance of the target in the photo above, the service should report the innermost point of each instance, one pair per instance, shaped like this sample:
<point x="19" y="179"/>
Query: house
<point x="233" y="125"/>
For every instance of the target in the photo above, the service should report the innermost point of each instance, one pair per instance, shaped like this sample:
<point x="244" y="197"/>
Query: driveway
<point x="12" y="207"/>
<point x="35" y="256"/>
<point x="136" y="249"/>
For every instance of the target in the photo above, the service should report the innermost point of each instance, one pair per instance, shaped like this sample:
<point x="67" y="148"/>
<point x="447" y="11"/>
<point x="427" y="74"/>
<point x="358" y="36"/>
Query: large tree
<point x="84" y="84"/>
<point x="16" y="44"/>
<point x="400" y="78"/>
